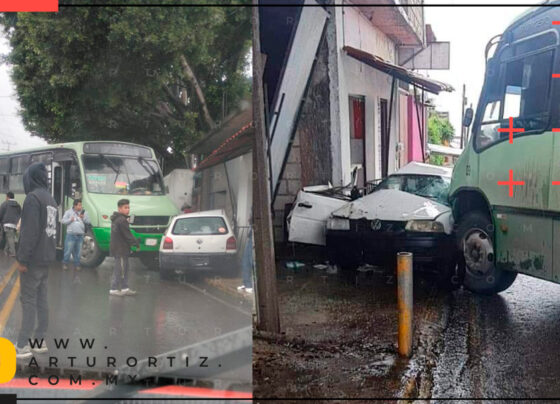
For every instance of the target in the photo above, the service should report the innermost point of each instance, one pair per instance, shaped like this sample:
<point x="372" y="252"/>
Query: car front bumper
<point x="381" y="248"/>
<point x="189" y="261"/>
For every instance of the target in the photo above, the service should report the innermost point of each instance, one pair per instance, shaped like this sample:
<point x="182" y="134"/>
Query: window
<point x="524" y="96"/>
<point x="122" y="175"/>
<point x="18" y="166"/>
<point x="4" y="170"/>
<point x="45" y="158"/>
<point x="200" y="226"/>
<point x="428" y="186"/>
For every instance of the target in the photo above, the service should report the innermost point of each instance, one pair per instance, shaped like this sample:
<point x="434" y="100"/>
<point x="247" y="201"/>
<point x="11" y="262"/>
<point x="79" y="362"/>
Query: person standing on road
<point x="121" y="242"/>
<point x="76" y="220"/>
<point x="36" y="250"/>
<point x="10" y="213"/>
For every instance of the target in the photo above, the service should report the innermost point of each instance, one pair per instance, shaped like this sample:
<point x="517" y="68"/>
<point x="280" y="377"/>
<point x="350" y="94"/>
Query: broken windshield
<point x="428" y="186"/>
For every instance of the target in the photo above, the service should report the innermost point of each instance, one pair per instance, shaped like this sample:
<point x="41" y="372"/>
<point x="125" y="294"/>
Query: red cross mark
<point x="511" y="129"/>
<point x="511" y="183"/>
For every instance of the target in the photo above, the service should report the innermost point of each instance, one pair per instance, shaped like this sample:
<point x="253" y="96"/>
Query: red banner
<point x="28" y="5"/>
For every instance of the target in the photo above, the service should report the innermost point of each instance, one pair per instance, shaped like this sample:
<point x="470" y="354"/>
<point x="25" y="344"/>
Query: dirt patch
<point x="338" y="338"/>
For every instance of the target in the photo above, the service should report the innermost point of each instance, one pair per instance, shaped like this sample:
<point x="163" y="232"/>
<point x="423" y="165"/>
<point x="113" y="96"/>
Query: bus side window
<point x="75" y="181"/>
<point x="4" y="170"/>
<point x="17" y="168"/>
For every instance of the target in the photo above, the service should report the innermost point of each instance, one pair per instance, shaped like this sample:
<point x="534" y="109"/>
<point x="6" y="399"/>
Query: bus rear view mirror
<point x="467" y="119"/>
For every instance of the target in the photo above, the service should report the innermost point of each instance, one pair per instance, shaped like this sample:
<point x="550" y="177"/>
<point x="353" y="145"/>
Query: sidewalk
<point x="229" y="286"/>
<point x="339" y="339"/>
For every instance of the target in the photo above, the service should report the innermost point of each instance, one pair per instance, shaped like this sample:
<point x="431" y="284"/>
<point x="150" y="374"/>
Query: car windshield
<point x="428" y="186"/>
<point x="122" y="175"/>
<point x="199" y="226"/>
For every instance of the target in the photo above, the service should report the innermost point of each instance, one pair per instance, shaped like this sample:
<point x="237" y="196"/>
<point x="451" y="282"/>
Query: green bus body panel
<point x="98" y="205"/>
<point x="526" y="224"/>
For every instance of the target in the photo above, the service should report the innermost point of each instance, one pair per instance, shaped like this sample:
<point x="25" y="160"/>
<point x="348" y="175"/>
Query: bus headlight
<point x="337" y="223"/>
<point x="424" y="226"/>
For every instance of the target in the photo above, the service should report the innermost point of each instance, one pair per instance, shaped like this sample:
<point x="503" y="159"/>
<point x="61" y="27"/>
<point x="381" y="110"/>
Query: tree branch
<point x="192" y="78"/>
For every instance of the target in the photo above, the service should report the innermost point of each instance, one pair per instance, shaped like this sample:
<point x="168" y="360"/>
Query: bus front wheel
<point x="475" y="239"/>
<point x="92" y="256"/>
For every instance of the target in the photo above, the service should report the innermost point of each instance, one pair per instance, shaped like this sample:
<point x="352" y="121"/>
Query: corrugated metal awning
<point x="430" y="85"/>
<point x="444" y="150"/>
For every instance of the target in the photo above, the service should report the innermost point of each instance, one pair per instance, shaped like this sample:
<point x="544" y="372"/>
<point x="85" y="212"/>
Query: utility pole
<point x="8" y="144"/>
<point x="268" y="318"/>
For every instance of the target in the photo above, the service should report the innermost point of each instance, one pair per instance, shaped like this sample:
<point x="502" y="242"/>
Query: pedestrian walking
<point x="10" y="213"/>
<point x="36" y="250"/>
<point x="76" y="220"/>
<point x="121" y="242"/>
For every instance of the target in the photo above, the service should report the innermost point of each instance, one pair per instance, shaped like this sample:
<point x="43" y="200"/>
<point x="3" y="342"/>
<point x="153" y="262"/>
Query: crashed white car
<point x="408" y="211"/>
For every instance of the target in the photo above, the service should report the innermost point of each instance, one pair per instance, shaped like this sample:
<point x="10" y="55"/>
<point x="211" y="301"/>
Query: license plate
<point x="151" y="241"/>
<point x="200" y="261"/>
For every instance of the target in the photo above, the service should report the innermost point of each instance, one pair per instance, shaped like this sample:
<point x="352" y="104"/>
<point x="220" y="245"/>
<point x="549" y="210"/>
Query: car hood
<point x="392" y="204"/>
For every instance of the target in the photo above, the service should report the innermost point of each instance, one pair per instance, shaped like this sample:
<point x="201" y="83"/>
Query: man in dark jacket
<point x="121" y="241"/>
<point x="36" y="250"/>
<point x="10" y="213"/>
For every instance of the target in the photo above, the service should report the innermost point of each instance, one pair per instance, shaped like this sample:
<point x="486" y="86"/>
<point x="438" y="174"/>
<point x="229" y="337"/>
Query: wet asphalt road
<point x="502" y="346"/>
<point x="164" y="316"/>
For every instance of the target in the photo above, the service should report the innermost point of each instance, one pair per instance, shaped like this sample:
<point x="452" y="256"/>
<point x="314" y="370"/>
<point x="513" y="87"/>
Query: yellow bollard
<point x="404" y="299"/>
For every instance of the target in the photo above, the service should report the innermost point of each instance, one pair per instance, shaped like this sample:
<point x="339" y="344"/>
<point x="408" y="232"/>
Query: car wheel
<point x="91" y="255"/>
<point x="475" y="239"/>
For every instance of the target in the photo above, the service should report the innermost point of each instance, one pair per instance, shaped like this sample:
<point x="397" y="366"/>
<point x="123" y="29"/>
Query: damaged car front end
<point x="408" y="212"/>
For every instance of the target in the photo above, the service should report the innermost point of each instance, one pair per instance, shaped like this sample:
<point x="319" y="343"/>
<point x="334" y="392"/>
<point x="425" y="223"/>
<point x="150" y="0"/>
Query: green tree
<point x="440" y="131"/>
<point x="159" y="76"/>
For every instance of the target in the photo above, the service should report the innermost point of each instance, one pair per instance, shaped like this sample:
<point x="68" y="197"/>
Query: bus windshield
<point x="122" y="175"/>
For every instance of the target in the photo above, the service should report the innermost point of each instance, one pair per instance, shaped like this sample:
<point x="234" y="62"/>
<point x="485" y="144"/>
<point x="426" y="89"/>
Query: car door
<point x="307" y="222"/>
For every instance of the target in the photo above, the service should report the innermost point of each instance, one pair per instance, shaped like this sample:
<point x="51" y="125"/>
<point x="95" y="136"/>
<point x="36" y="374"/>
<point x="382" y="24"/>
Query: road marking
<point x="7" y="277"/>
<point x="204" y="292"/>
<point x="9" y="306"/>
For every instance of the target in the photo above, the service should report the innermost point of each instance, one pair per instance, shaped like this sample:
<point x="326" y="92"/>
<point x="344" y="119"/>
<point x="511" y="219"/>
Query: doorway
<point x="383" y="112"/>
<point x="357" y="136"/>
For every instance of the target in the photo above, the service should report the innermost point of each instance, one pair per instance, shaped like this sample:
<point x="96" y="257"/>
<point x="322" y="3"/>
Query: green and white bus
<point x="504" y="189"/>
<point x="99" y="173"/>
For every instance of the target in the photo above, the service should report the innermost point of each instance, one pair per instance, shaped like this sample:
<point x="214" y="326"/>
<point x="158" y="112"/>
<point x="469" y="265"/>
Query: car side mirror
<point x="467" y="119"/>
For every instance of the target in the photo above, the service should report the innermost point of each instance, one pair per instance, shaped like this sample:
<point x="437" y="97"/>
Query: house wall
<point x="180" y="183"/>
<point x="237" y="199"/>
<point x="309" y="161"/>
<point x="357" y="79"/>
<point x="360" y="33"/>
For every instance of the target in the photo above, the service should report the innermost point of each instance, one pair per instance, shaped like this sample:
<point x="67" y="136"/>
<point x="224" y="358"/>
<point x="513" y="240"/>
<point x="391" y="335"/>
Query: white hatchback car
<point x="197" y="241"/>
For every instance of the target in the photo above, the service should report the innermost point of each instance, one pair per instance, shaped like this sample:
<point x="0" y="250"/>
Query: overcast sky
<point x="468" y="29"/>
<point x="12" y="134"/>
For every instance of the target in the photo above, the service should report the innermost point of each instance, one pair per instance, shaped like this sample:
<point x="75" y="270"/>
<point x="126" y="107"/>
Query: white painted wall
<point x="361" y="34"/>
<point x="356" y="78"/>
<point x="239" y="174"/>
<point x="180" y="183"/>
